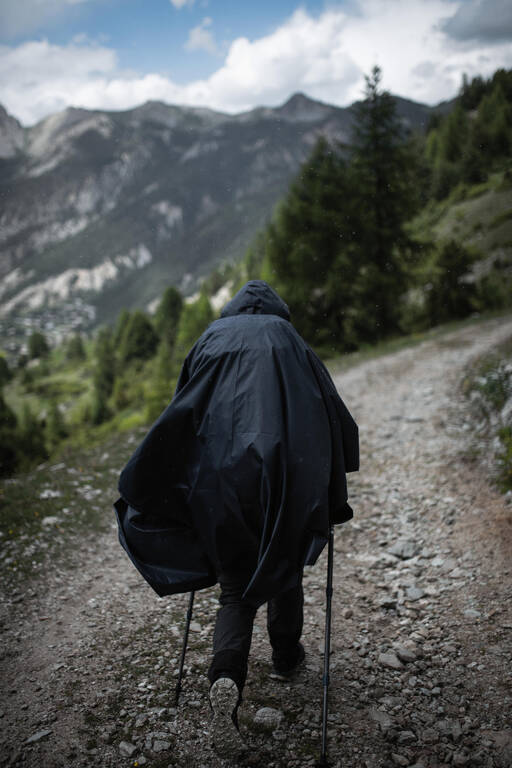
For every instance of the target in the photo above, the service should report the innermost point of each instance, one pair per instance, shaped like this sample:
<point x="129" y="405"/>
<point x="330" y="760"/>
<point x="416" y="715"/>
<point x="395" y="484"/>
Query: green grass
<point x="489" y="377"/>
<point x="54" y="379"/>
<point x="80" y="490"/>
<point x="501" y="218"/>
<point x="66" y="385"/>
<point x="479" y="215"/>
<point x="70" y="385"/>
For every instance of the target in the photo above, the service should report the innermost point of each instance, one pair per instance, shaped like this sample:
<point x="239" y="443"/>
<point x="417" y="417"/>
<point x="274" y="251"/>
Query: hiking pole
<point x="184" y="649"/>
<point x="322" y="763"/>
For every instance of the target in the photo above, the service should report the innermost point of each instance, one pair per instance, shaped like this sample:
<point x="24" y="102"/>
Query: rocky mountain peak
<point x="300" y="108"/>
<point x="51" y="133"/>
<point x="171" y="115"/>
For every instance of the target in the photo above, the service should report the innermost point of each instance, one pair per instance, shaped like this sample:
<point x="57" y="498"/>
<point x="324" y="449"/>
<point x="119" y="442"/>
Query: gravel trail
<point x="422" y="615"/>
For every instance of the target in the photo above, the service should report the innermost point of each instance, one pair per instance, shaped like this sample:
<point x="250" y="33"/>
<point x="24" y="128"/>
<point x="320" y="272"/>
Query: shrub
<point x="505" y="459"/>
<point x="139" y="340"/>
<point x="55" y="428"/>
<point x="37" y="345"/>
<point x="75" y="348"/>
<point x="8" y="439"/>
<point x="452" y="292"/>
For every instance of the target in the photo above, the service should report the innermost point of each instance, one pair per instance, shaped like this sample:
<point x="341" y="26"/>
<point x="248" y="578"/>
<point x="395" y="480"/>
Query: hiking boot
<point x="285" y="666"/>
<point x="224" y="733"/>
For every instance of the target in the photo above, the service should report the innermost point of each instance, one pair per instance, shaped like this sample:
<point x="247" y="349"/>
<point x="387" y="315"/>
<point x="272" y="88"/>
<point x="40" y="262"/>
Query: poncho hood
<point x="256" y="298"/>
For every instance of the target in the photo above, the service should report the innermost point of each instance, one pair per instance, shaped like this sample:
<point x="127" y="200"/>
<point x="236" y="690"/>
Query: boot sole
<point x="224" y="735"/>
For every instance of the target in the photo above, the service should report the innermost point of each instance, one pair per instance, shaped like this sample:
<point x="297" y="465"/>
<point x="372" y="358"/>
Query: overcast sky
<point x="233" y="55"/>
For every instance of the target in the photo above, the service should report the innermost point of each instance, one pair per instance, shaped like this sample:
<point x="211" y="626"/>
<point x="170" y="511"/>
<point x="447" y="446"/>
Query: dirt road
<point x="422" y="631"/>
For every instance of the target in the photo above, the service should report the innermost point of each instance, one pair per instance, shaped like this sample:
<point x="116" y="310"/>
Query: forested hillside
<point x="362" y="247"/>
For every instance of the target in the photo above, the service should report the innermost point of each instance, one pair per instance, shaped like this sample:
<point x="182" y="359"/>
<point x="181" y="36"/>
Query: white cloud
<point x="325" y="56"/>
<point x="200" y="38"/>
<point x="181" y="3"/>
<point x="37" y="78"/>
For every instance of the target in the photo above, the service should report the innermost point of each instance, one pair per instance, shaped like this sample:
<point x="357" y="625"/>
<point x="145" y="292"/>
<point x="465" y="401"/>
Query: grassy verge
<point x="488" y="385"/>
<point x="43" y="511"/>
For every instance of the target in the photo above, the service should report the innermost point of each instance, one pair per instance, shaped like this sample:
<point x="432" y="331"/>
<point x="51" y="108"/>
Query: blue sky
<point x="151" y="35"/>
<point x="232" y="56"/>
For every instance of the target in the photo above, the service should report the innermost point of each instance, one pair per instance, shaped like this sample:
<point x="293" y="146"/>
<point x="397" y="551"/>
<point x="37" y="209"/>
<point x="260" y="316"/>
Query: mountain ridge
<point x="102" y="209"/>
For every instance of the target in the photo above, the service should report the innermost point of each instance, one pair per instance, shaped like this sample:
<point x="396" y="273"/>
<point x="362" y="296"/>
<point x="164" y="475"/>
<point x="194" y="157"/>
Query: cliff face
<point x="12" y="136"/>
<point x="101" y="210"/>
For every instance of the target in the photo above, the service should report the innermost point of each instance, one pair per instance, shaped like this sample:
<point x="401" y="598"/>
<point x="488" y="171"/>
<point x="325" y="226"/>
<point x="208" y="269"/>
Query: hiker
<point x="238" y="482"/>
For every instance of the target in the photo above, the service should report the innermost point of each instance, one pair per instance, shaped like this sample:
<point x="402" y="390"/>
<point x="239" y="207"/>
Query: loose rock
<point x="38" y="736"/>
<point x="406" y="737"/>
<point x="390" y="660"/>
<point x="382" y="718"/>
<point x="414" y="593"/>
<point x="404" y="549"/>
<point x="127" y="749"/>
<point x="405" y="654"/>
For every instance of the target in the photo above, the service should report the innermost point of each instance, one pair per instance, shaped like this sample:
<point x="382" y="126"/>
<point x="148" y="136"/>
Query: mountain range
<point x="102" y="210"/>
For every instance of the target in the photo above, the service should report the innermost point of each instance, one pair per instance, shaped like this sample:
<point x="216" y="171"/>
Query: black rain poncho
<point x="247" y="463"/>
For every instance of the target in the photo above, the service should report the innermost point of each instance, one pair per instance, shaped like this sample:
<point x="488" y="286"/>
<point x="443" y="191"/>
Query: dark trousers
<point x="233" y="627"/>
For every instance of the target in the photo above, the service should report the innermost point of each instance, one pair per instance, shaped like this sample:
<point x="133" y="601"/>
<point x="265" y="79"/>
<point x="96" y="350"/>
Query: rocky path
<point x="422" y="629"/>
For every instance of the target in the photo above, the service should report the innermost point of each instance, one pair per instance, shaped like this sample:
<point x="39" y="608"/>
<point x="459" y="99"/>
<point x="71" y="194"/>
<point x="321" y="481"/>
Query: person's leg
<point x="285" y="616"/>
<point x="233" y="631"/>
<point x="228" y="671"/>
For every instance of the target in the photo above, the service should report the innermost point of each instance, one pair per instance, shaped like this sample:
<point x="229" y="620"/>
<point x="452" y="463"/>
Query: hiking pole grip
<point x="184" y="648"/>
<point x="323" y="763"/>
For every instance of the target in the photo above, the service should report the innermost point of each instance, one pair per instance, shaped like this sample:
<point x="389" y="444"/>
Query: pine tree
<point x="451" y="294"/>
<point x="194" y="319"/>
<point x="306" y="247"/>
<point x="105" y="363"/>
<point x="160" y="387"/>
<point x="139" y="340"/>
<point x="37" y="345"/>
<point x="493" y="125"/>
<point x="104" y="375"/>
<point x="167" y="315"/>
<point x="8" y="439"/>
<point x="471" y="93"/>
<point x="55" y="428"/>
<point x="451" y="151"/>
<point x="454" y="134"/>
<point x="383" y="178"/>
<point x="75" y="350"/>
